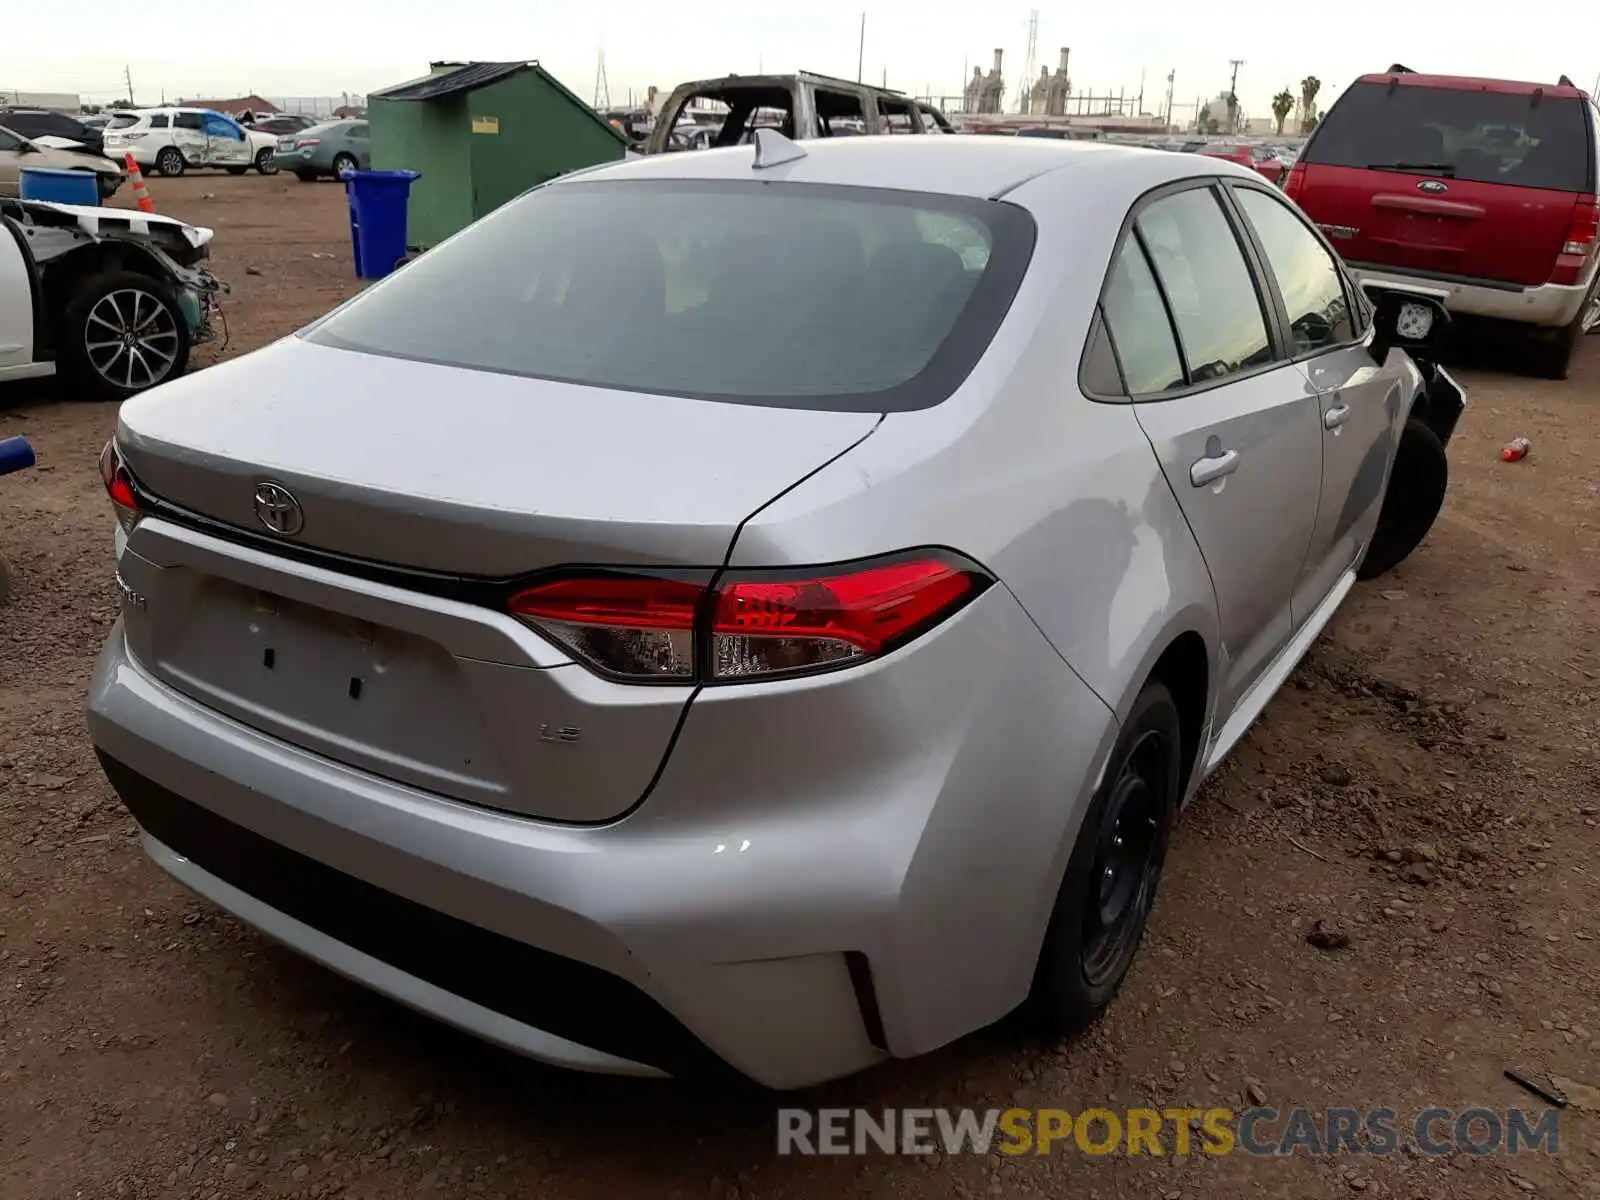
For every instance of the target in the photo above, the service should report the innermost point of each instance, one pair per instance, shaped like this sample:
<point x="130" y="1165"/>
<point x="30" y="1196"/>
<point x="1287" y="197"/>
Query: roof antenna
<point x="773" y="149"/>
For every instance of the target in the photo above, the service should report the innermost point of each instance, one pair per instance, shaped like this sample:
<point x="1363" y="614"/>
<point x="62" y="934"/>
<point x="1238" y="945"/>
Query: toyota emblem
<point x="278" y="510"/>
<point x="1432" y="185"/>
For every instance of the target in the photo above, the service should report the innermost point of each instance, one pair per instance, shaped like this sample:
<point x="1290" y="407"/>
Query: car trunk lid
<point x="372" y="635"/>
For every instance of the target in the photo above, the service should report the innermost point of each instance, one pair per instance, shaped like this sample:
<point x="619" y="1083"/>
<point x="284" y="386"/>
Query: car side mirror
<point x="1415" y="323"/>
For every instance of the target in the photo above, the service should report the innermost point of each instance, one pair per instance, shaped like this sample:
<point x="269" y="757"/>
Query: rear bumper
<point x="805" y="892"/>
<point x="1549" y="304"/>
<point x="298" y="160"/>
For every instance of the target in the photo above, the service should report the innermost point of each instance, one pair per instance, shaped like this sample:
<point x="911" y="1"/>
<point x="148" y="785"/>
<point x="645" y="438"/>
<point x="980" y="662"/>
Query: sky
<point x="314" y="48"/>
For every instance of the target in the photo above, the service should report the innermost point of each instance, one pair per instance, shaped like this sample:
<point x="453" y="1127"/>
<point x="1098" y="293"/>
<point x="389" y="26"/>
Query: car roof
<point x="1471" y="83"/>
<point x="960" y="165"/>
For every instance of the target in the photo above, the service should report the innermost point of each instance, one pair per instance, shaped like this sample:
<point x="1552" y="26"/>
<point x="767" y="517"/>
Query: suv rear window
<point x="1482" y="137"/>
<point x="122" y="121"/>
<point x="800" y="296"/>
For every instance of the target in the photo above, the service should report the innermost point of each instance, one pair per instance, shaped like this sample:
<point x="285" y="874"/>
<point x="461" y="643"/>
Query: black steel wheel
<point x="1115" y="868"/>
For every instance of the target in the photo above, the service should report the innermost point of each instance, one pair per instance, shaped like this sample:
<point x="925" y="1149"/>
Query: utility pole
<point x="861" y="47"/>
<point x="602" y="87"/>
<point x="1172" y="76"/>
<point x="1140" y="102"/>
<point x="1233" y="95"/>
<point x="1029" y="61"/>
<point x="127" y="74"/>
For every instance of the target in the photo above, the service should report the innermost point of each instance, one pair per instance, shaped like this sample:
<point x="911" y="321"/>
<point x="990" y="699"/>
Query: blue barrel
<point x="15" y="455"/>
<point x="378" y="218"/>
<point x="64" y="187"/>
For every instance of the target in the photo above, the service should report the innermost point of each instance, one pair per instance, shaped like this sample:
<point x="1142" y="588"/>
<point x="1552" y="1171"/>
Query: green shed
<point x="481" y="133"/>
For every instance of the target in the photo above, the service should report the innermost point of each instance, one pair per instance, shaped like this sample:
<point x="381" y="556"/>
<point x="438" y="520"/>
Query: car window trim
<point x="1271" y="281"/>
<point x="1269" y="316"/>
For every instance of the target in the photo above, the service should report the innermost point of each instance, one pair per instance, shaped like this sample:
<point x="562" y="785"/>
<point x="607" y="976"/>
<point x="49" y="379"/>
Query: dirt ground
<point x="1429" y="784"/>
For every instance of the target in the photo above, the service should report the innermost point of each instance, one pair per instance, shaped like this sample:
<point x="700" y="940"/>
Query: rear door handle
<point x="1336" y="416"/>
<point x="1208" y="470"/>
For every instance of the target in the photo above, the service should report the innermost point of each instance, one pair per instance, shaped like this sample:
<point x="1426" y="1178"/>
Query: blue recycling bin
<point x="63" y="187"/>
<point x="15" y="455"/>
<point x="378" y="219"/>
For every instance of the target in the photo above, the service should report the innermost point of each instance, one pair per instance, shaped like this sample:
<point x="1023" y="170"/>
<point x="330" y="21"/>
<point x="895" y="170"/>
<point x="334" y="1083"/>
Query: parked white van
<point x="171" y="140"/>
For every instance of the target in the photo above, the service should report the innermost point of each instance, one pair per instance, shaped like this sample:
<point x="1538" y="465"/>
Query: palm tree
<point x="1309" y="87"/>
<point x="1282" y="103"/>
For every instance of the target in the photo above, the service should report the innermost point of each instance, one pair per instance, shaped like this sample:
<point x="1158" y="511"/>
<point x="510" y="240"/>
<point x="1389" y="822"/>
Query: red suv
<point x="1478" y="192"/>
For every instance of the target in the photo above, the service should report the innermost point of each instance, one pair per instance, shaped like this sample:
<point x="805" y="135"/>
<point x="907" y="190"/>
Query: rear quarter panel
<point x="1060" y="497"/>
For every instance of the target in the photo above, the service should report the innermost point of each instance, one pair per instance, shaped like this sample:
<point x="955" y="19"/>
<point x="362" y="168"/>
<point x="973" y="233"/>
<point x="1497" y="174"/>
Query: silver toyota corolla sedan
<point x="762" y="608"/>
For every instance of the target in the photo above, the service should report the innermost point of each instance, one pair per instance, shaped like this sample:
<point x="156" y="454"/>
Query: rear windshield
<point x="1484" y="137"/>
<point x="802" y="296"/>
<point x="122" y="121"/>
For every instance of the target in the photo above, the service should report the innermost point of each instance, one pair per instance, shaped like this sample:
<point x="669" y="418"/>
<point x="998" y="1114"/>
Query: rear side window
<point x="1140" y="331"/>
<point x="159" y="121"/>
<point x="802" y="296"/>
<point x="357" y="131"/>
<point x="1482" y="137"/>
<point x="1221" y="326"/>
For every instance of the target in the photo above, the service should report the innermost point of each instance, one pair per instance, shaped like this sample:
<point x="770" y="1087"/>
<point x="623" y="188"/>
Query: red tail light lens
<point x="1296" y="182"/>
<point x="303" y="143"/>
<point x="119" y="486"/>
<point x="765" y="628"/>
<point x="1583" y="235"/>
<point x="632" y="627"/>
<point x="758" y="625"/>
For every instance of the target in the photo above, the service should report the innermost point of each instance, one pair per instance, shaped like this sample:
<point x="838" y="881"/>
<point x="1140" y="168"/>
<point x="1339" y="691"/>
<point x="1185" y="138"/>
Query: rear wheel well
<point x="1184" y="667"/>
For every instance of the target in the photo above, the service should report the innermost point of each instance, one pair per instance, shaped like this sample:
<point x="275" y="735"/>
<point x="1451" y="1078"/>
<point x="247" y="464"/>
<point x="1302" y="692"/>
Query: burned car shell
<point x="746" y="94"/>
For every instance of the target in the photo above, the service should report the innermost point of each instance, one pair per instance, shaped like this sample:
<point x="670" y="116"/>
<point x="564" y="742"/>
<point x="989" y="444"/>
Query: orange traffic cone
<point x="141" y="194"/>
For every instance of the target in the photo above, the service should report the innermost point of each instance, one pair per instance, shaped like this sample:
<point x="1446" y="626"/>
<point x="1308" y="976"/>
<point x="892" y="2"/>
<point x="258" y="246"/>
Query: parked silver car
<point x="791" y="645"/>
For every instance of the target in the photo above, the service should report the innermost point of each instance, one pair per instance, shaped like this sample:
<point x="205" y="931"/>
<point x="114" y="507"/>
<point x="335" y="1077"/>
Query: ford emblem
<point x="1433" y="186"/>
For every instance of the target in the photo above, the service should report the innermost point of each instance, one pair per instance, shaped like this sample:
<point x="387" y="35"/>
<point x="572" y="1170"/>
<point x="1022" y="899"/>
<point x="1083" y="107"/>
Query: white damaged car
<point x="109" y="298"/>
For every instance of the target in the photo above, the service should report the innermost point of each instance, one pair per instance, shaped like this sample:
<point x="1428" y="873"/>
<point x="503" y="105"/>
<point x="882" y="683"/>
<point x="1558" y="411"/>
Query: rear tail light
<point x="750" y="625"/>
<point x="119" y="486"/>
<point x="303" y="143"/>
<point x="1296" y="182"/>
<point x="1582" y="237"/>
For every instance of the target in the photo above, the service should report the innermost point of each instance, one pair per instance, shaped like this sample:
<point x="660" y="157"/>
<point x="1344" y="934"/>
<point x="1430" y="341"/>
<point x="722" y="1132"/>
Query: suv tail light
<point x="750" y="625"/>
<point x="1582" y="237"/>
<point x="119" y="486"/>
<point x="1296" y="182"/>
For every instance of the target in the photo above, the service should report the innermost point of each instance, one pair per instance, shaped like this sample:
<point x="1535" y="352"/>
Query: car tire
<point x="1417" y="484"/>
<point x="343" y="163"/>
<point x="305" y="176"/>
<point x="170" y="162"/>
<point x="103" y="376"/>
<point x="1107" y="893"/>
<point x="1550" y="351"/>
<point x="264" y="161"/>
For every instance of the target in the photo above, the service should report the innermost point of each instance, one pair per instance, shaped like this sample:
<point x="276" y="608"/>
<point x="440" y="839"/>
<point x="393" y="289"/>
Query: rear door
<point x="1477" y="181"/>
<point x="1236" y="427"/>
<point x="356" y="135"/>
<point x="1361" y="403"/>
